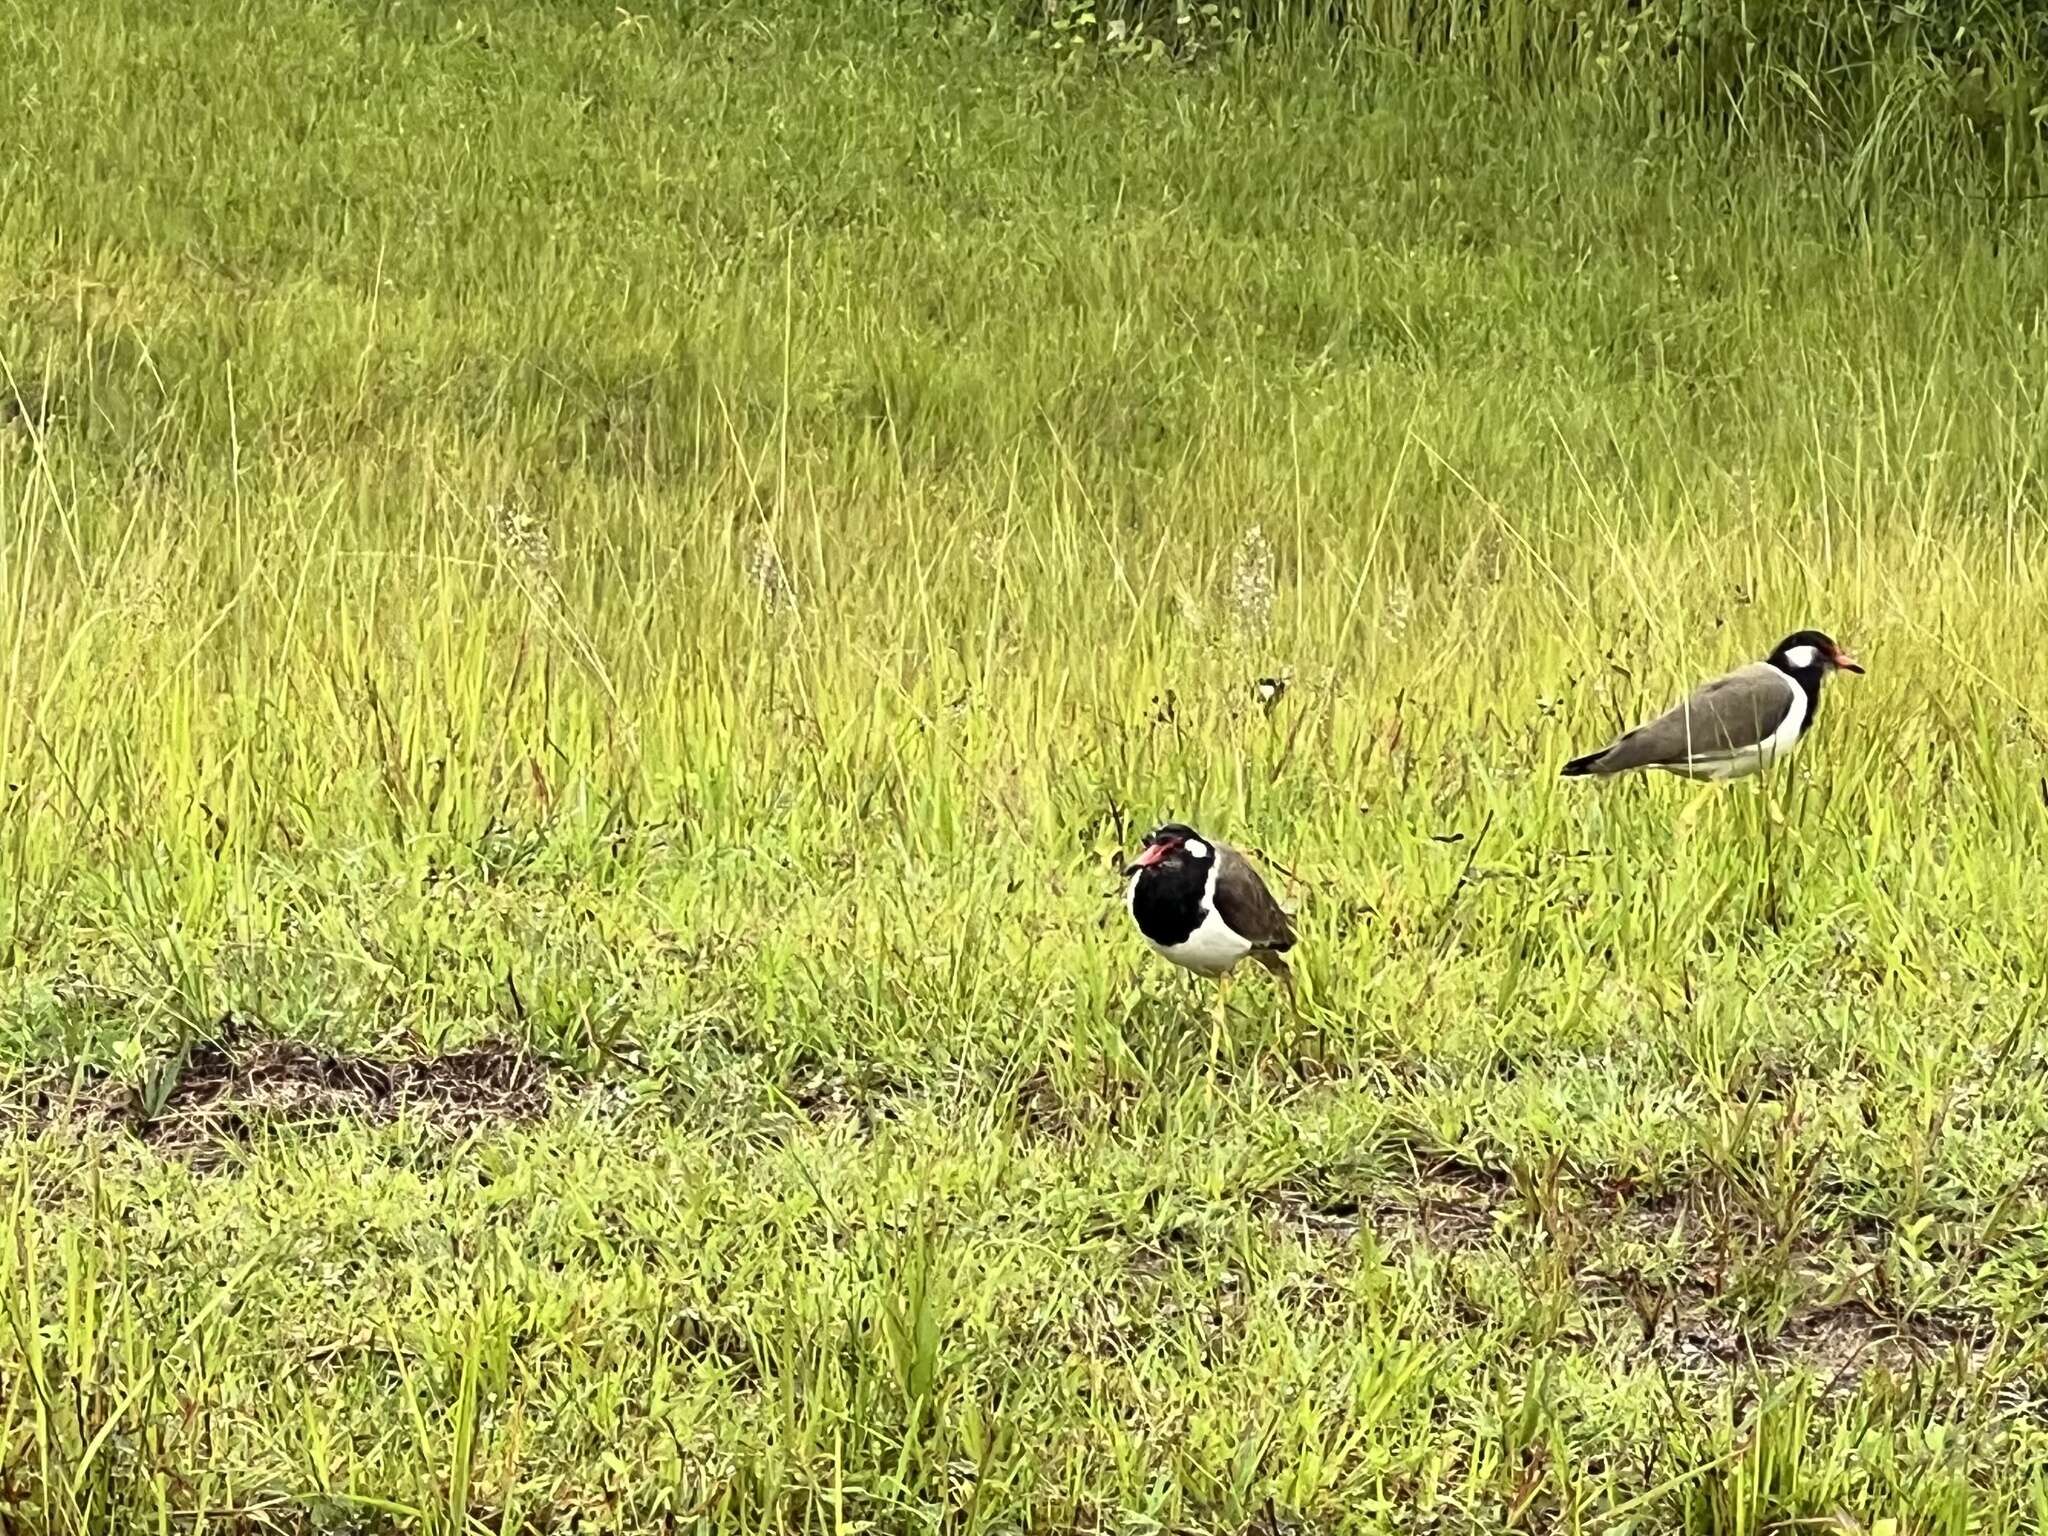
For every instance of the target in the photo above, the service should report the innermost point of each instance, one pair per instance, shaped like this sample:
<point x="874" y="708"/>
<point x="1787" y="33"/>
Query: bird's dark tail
<point x="1590" y="763"/>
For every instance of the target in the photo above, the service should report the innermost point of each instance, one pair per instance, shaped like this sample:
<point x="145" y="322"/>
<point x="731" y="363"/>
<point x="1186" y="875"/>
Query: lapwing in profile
<point x="1736" y="725"/>
<point x="1202" y="905"/>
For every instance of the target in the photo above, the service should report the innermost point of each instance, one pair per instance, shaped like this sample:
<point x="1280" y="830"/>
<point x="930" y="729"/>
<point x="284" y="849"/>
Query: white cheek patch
<point x="1802" y="656"/>
<point x="1197" y="848"/>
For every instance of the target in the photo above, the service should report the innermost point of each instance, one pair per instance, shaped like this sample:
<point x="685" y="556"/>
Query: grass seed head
<point x="765" y="570"/>
<point x="1251" y="585"/>
<point x="521" y="537"/>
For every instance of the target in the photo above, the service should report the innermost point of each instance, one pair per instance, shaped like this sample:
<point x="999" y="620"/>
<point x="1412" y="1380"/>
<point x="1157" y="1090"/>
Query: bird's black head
<point x="1811" y="653"/>
<point x="1173" y="845"/>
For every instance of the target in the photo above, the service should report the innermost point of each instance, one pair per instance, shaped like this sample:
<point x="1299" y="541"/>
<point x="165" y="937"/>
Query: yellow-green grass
<point x="695" y="543"/>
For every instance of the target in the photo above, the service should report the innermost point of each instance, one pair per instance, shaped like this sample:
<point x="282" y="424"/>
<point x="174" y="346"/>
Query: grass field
<point x="593" y="602"/>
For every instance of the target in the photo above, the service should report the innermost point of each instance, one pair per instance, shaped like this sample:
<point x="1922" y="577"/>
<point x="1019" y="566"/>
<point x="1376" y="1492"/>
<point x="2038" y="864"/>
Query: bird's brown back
<point x="1243" y="902"/>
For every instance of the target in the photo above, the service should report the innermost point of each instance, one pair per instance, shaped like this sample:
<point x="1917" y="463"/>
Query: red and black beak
<point x="1845" y="661"/>
<point x="1153" y="853"/>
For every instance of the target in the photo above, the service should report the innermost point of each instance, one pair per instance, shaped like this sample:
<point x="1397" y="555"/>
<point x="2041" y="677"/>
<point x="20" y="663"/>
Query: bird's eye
<point x="1197" y="848"/>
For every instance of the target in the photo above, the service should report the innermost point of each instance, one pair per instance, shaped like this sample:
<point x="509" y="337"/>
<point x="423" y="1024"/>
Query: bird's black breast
<point x="1807" y="681"/>
<point x="1167" y="902"/>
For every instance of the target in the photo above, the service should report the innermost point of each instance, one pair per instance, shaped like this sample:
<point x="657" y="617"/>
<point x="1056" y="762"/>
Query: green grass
<point x="695" y="543"/>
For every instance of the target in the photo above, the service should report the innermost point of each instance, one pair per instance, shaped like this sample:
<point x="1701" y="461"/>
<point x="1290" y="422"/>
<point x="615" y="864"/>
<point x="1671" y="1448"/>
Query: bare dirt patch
<point x="1665" y="1268"/>
<point x="1843" y="1342"/>
<point x="827" y="1097"/>
<point x="1454" y="1206"/>
<point x="1839" y="1343"/>
<point x="228" y="1087"/>
<point x="1445" y="1205"/>
<point x="1044" y="1111"/>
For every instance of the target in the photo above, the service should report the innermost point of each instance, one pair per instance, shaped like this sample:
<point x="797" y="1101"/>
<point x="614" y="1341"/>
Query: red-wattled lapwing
<point x="1734" y="726"/>
<point x="1203" y="906"/>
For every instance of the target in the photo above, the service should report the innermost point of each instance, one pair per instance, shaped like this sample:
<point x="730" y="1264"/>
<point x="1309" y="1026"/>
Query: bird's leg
<point x="1685" y="817"/>
<point x="1773" y="811"/>
<point x="1278" y="965"/>
<point x="1708" y="796"/>
<point x="1219" y="1022"/>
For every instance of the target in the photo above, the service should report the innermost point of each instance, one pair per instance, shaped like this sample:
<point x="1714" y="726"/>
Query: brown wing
<point x="1720" y="718"/>
<point x="1243" y="901"/>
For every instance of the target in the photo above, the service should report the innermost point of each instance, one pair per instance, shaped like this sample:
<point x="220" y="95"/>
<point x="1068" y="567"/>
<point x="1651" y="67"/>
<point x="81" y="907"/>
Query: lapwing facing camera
<point x="1736" y="725"/>
<point x="1203" y="906"/>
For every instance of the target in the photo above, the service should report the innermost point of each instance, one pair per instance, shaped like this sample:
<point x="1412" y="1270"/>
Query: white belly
<point x="1774" y="748"/>
<point x="1212" y="949"/>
